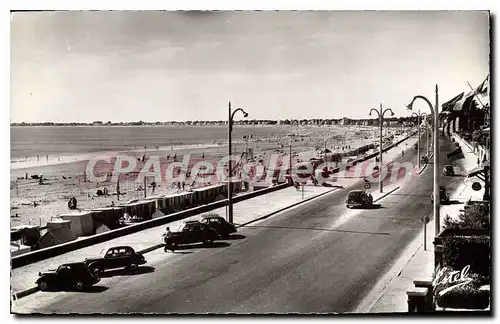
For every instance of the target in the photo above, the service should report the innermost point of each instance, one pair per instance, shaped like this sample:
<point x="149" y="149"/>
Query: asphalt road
<point x="319" y="257"/>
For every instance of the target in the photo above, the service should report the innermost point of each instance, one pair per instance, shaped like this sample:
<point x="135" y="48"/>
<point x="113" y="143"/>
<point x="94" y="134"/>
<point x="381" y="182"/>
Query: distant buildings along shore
<point x="284" y="122"/>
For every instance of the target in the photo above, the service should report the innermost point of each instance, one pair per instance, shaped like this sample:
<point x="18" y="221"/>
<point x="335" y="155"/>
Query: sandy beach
<point x="64" y="177"/>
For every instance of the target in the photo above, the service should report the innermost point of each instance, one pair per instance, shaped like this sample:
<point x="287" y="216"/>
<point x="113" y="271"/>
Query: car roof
<point x="356" y="191"/>
<point x="118" y="247"/>
<point x="72" y="264"/>
<point x="211" y="216"/>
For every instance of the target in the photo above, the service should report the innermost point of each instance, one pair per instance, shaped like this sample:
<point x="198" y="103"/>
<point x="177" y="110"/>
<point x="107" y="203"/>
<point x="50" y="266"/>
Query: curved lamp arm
<point x="410" y="106"/>
<point x="375" y="110"/>
<point x="245" y="114"/>
<point x="388" y="109"/>
<point x="239" y="109"/>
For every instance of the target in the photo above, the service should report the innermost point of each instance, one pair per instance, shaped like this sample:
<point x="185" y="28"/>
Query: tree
<point x="476" y="216"/>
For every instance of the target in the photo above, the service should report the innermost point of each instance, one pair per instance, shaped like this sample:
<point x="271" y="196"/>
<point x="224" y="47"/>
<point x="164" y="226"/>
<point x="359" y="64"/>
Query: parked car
<point x="359" y="198"/>
<point x="115" y="257"/>
<point x="444" y="197"/>
<point x="222" y="227"/>
<point x="67" y="276"/>
<point x="189" y="232"/>
<point x="448" y="170"/>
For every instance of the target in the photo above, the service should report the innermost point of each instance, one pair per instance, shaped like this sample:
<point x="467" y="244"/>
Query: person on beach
<point x="38" y="157"/>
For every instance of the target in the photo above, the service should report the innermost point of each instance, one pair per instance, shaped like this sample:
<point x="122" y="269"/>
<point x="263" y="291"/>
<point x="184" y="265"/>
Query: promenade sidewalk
<point x="416" y="262"/>
<point x="245" y="211"/>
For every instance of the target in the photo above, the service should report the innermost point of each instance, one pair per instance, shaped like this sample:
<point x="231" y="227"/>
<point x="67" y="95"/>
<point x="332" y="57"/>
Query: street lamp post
<point x="419" y="116"/>
<point x="428" y="133"/>
<point x="230" y="171"/>
<point x="381" y="119"/>
<point x="435" y="114"/>
<point x="325" y="149"/>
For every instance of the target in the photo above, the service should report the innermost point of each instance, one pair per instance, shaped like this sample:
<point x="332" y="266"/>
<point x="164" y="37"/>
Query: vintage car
<point x="188" y="232"/>
<point x="359" y="198"/>
<point x="448" y="170"/>
<point x="67" y="276"/>
<point x="115" y="257"/>
<point x="444" y="197"/>
<point x="222" y="227"/>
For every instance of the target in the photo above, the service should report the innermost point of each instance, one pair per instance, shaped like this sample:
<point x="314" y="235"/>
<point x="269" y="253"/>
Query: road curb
<point x="387" y="194"/>
<point x="25" y="292"/>
<point x="288" y="207"/>
<point x="422" y="169"/>
<point x="149" y="249"/>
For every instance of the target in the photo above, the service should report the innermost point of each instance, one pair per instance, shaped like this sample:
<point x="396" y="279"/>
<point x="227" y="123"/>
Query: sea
<point x="60" y="141"/>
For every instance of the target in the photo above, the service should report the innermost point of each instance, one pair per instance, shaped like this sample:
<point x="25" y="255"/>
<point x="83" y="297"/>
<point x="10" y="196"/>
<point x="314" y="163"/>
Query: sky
<point x="85" y="66"/>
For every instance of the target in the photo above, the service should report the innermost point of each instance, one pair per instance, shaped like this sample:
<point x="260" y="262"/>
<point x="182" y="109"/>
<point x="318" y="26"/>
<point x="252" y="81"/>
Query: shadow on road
<point x="95" y="289"/>
<point x="373" y="206"/>
<point x="320" y="229"/>
<point x="234" y="237"/>
<point x="200" y="245"/>
<point x="91" y="289"/>
<point x="127" y="272"/>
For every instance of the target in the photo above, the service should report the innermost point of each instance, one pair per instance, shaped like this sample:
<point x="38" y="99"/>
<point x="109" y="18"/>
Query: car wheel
<point x="132" y="267"/>
<point x="79" y="285"/>
<point x="96" y="270"/>
<point x="43" y="285"/>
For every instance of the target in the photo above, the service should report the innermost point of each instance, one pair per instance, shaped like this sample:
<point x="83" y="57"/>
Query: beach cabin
<point x="159" y="201"/>
<point x="22" y="238"/>
<point x="179" y="201"/>
<point x="82" y="223"/>
<point x="209" y="194"/>
<point x="18" y="249"/>
<point x="143" y="210"/>
<point x="108" y="216"/>
<point x="58" y="232"/>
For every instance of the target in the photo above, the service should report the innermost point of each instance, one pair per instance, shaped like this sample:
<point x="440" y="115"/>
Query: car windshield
<point x="180" y="227"/>
<point x="355" y="195"/>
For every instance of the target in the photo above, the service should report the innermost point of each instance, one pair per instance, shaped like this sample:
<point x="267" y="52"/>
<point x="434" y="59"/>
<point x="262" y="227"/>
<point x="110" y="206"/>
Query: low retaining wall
<point x="53" y="251"/>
